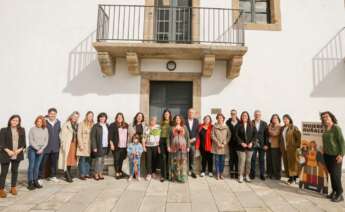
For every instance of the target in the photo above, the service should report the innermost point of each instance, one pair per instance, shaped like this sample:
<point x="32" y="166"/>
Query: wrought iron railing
<point x="139" y="23"/>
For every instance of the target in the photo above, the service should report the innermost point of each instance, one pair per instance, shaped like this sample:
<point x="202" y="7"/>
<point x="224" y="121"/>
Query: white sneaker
<point x="54" y="179"/>
<point x="139" y="178"/>
<point x="40" y="182"/>
<point x="202" y="174"/>
<point x="210" y="174"/>
<point x="240" y="179"/>
<point x="148" y="177"/>
<point x="248" y="178"/>
<point x="130" y="178"/>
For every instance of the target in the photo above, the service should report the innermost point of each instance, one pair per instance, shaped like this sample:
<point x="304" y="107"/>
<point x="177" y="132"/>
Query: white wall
<point x="277" y="73"/>
<point x="45" y="61"/>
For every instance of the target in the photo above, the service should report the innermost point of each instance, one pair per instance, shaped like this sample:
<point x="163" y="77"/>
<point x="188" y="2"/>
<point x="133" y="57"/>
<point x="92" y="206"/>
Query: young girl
<point x="134" y="150"/>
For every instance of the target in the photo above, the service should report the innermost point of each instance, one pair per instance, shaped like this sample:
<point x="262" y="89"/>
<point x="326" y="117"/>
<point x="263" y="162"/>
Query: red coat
<point x="208" y="142"/>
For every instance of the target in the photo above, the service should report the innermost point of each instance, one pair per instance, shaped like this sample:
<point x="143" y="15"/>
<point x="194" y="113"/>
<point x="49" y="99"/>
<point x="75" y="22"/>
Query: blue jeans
<point x="261" y="153"/>
<point x="219" y="163"/>
<point x="34" y="164"/>
<point x="84" y="166"/>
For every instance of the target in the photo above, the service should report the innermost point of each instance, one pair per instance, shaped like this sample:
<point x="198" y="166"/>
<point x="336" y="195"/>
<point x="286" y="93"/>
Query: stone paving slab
<point x="201" y="194"/>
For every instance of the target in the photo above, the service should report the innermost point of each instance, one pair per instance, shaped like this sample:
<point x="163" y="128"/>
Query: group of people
<point x="169" y="145"/>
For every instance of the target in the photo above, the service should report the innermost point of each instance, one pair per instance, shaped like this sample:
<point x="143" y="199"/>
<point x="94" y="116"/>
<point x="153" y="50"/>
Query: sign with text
<point x="313" y="173"/>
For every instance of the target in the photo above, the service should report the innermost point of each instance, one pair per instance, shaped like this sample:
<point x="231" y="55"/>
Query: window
<point x="256" y="11"/>
<point x="173" y="20"/>
<point x="259" y="14"/>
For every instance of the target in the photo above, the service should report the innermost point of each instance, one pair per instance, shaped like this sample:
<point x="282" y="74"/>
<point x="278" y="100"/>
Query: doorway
<point x="172" y="95"/>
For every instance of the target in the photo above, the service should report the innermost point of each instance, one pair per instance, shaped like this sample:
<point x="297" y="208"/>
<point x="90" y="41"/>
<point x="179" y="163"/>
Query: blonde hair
<point x="75" y="113"/>
<point x="86" y="121"/>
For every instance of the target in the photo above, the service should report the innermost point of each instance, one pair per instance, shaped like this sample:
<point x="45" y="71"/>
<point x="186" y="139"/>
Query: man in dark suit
<point x="192" y="125"/>
<point x="233" y="123"/>
<point x="260" y="146"/>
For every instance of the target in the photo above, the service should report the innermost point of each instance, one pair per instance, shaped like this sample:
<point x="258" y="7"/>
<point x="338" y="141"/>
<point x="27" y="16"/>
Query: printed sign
<point x="313" y="173"/>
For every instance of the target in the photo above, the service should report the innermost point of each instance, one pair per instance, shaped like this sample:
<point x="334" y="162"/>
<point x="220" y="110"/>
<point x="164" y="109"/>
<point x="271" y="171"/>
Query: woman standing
<point x="151" y="146"/>
<point x="99" y="144"/>
<point x="334" y="149"/>
<point x="139" y="127"/>
<point x="232" y="123"/>
<point x="163" y="146"/>
<point x="38" y="140"/>
<point x="246" y="138"/>
<point x="119" y="137"/>
<point x="178" y="147"/>
<point x="12" y="144"/>
<point x="290" y="142"/>
<point x="274" y="152"/>
<point x="220" y="138"/>
<point x="68" y="148"/>
<point x="204" y="145"/>
<point x="84" y="144"/>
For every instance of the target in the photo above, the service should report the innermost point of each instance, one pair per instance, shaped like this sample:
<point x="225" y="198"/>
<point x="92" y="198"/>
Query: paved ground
<point x="202" y="194"/>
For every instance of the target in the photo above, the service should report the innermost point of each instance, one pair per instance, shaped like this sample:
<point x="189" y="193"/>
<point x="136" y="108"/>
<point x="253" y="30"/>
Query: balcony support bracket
<point x="233" y="67"/>
<point x="133" y="62"/>
<point x="208" y="64"/>
<point x="107" y="63"/>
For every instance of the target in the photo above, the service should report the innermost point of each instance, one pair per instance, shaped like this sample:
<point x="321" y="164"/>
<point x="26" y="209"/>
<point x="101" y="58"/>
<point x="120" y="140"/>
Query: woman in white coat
<point x="68" y="147"/>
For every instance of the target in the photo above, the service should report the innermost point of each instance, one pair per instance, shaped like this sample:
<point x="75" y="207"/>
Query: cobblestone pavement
<point x="202" y="194"/>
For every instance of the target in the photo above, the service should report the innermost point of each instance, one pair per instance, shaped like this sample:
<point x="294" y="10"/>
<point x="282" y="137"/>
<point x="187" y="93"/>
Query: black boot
<point x="338" y="198"/>
<point x="290" y="180"/>
<point x="68" y="175"/>
<point x="331" y="195"/>
<point x="37" y="185"/>
<point x="31" y="186"/>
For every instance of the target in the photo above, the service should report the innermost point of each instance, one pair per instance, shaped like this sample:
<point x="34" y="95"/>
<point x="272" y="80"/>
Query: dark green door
<point x="175" y="96"/>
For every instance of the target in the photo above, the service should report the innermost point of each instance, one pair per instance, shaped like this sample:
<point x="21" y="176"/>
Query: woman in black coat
<point x="99" y="144"/>
<point x="246" y="138"/>
<point x="12" y="144"/>
<point x="118" y="140"/>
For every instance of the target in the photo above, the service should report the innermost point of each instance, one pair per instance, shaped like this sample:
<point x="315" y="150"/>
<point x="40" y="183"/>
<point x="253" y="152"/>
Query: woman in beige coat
<point x="220" y="138"/>
<point x="84" y="145"/>
<point x="68" y="146"/>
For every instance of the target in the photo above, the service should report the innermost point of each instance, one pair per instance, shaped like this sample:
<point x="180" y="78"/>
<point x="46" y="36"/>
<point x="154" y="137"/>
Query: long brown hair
<point x="170" y="116"/>
<point x="275" y="115"/>
<point x="123" y="124"/>
<point x="249" y="122"/>
<point x="44" y="122"/>
<point x="13" y="117"/>
<point x="135" y="122"/>
<point x="174" y="120"/>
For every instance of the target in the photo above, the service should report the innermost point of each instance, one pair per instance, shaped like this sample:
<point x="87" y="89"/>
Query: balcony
<point x="137" y="31"/>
